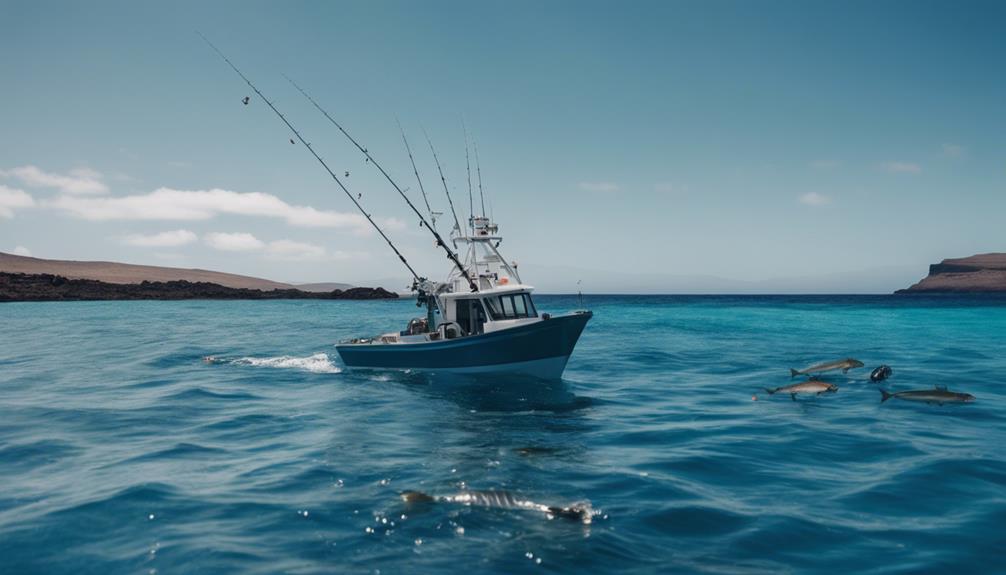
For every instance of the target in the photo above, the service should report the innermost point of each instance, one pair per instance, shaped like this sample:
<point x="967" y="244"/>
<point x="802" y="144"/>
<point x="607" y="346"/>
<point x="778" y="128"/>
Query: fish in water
<point x="881" y="373"/>
<point x="938" y="395"/>
<point x="814" y="386"/>
<point x="503" y="500"/>
<point x="844" y="364"/>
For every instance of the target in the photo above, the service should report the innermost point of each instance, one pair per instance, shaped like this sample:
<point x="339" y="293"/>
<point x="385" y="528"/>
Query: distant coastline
<point x="15" y="287"/>
<point x="24" y="278"/>
<point x="981" y="273"/>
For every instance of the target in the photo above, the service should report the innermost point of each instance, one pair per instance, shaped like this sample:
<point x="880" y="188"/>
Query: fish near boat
<point x="812" y="386"/>
<point x="881" y="373"/>
<point x="503" y="500"/>
<point x="844" y="364"/>
<point x="938" y="395"/>
<point x="481" y="318"/>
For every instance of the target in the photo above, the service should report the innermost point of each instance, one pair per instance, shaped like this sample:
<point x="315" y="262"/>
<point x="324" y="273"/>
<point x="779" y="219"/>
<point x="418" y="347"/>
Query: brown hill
<point x="982" y="273"/>
<point x="116" y="273"/>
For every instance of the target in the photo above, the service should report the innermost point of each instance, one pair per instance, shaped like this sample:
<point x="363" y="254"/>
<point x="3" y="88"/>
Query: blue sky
<point x="664" y="146"/>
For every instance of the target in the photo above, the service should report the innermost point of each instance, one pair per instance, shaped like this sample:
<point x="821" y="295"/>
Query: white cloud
<point x="191" y="205"/>
<point x="21" y="251"/>
<point x="602" y="187"/>
<point x="286" y="250"/>
<point x="170" y="239"/>
<point x="78" y="181"/>
<point x="294" y="251"/>
<point x="901" y="167"/>
<point x="825" y="164"/>
<point x="236" y="242"/>
<point x="11" y="198"/>
<point x="814" y="199"/>
<point x="391" y="224"/>
<point x="953" y="150"/>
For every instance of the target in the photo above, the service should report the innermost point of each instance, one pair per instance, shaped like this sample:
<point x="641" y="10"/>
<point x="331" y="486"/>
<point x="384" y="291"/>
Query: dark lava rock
<point x="48" y="287"/>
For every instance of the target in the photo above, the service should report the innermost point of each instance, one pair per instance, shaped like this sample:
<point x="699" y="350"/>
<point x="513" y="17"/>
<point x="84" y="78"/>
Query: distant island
<point x="35" y="279"/>
<point x="982" y="273"/>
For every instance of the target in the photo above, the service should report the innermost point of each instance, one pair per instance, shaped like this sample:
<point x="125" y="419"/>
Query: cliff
<point x="982" y="273"/>
<point x="49" y="287"/>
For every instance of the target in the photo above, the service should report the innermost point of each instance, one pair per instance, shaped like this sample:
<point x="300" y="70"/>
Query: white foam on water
<point x="317" y="363"/>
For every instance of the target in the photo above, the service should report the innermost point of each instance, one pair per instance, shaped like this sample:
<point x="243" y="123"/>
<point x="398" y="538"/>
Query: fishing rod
<point x="418" y="280"/>
<point x="440" y="241"/>
<point x="478" y="168"/>
<point x="415" y="170"/>
<point x="457" y="224"/>
<point x="468" y="166"/>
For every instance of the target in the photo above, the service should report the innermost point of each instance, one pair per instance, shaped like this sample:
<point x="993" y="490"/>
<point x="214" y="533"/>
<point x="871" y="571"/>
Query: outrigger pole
<point x="478" y="168"/>
<point x="416" y="171"/>
<point x="468" y="166"/>
<point x="440" y="241"/>
<point x="457" y="224"/>
<point x="418" y="280"/>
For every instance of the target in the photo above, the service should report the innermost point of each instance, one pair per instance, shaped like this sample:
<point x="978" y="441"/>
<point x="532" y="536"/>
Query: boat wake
<point x="317" y="363"/>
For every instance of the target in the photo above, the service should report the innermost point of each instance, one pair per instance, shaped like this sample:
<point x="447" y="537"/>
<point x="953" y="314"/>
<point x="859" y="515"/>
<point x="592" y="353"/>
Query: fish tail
<point x="770" y="391"/>
<point x="793" y="373"/>
<point x="884" y="395"/>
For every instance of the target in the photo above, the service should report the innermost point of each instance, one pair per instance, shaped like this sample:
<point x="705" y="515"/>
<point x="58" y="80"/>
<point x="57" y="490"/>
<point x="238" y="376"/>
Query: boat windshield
<point x="511" y="306"/>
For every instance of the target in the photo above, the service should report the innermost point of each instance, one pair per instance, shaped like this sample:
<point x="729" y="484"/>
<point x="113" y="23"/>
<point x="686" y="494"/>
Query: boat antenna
<point x="468" y="167"/>
<point x="478" y="169"/>
<point x="457" y="224"/>
<point x="440" y="241"/>
<point x="433" y="218"/>
<point x="415" y="276"/>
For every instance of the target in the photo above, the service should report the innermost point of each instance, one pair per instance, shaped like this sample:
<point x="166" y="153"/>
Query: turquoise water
<point x="121" y="451"/>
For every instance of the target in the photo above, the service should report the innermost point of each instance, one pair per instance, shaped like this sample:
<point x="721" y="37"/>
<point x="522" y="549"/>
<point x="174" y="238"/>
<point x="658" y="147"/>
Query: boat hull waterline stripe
<point x="548" y="368"/>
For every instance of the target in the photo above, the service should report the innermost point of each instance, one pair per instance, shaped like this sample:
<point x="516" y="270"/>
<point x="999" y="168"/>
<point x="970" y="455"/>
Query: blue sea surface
<point x="123" y="451"/>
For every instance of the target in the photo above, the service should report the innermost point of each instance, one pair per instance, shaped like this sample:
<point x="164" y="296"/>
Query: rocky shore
<point x="49" y="287"/>
<point x="982" y="273"/>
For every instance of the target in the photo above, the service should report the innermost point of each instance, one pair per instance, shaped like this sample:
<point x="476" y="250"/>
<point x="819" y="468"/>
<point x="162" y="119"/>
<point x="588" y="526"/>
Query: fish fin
<point x="792" y="396"/>
<point x="793" y="373"/>
<point x="770" y="391"/>
<point x="885" y="395"/>
<point x="940" y="387"/>
<point x="845" y="370"/>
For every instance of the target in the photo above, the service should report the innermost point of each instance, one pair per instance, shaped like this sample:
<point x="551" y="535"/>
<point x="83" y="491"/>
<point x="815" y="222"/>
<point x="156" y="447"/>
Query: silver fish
<point x="814" y="386"/>
<point x="938" y="395"/>
<point x="844" y="364"/>
<point x="503" y="500"/>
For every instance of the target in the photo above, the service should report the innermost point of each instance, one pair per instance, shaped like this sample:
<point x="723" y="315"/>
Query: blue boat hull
<point x="540" y="349"/>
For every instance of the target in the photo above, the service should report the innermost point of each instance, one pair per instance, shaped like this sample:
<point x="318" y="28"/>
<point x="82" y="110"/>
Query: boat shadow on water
<point x="503" y="393"/>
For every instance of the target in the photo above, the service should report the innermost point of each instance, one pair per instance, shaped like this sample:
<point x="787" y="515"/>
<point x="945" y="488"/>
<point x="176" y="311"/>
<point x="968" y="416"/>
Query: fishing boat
<point x="482" y="318"/>
<point x="495" y="328"/>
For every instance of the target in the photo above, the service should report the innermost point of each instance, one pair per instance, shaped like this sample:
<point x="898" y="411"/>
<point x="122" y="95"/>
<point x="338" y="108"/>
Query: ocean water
<point x="122" y="451"/>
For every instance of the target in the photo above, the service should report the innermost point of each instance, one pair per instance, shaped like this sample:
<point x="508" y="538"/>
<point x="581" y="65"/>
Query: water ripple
<point x="216" y="437"/>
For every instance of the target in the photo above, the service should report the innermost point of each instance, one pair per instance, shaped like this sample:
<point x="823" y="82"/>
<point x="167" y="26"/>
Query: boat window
<point x="520" y="305"/>
<point x="508" y="310"/>
<point x="493" y="303"/>
<point x="511" y="306"/>
<point x="531" y="310"/>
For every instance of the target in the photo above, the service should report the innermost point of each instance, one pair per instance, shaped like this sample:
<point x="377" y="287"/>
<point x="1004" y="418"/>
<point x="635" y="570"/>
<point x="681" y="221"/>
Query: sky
<point x="673" y="147"/>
